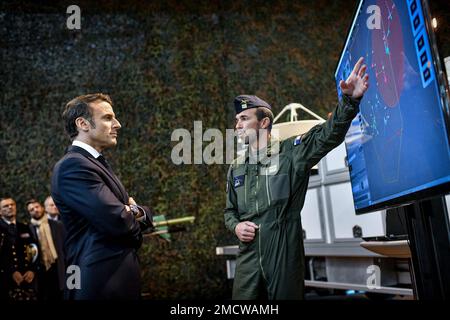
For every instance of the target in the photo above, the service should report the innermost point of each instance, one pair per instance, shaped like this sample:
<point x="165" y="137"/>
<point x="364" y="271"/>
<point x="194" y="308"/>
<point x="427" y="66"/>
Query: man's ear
<point x="265" y="122"/>
<point x="82" y="124"/>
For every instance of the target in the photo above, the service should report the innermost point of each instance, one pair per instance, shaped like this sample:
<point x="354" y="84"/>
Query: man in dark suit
<point x="50" y="235"/>
<point x="18" y="255"/>
<point x="102" y="222"/>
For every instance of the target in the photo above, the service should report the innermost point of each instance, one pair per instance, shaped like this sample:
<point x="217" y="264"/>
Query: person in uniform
<point x="266" y="189"/>
<point x="18" y="256"/>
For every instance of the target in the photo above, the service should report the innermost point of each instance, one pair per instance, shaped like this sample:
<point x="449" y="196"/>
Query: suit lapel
<point x="33" y="231"/>
<point x="52" y="229"/>
<point x="120" y="191"/>
<point x="113" y="176"/>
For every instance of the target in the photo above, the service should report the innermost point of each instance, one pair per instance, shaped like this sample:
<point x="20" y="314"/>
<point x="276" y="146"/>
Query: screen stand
<point x="427" y="223"/>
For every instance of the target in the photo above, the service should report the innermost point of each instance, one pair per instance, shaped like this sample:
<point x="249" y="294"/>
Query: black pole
<point x="427" y="222"/>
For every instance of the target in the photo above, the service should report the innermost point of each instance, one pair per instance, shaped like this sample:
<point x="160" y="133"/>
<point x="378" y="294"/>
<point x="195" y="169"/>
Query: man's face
<point x="50" y="207"/>
<point x="8" y="209"/>
<point x="247" y="125"/>
<point x="105" y="133"/>
<point x="36" y="210"/>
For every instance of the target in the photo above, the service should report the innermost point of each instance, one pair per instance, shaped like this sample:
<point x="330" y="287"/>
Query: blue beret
<point x="244" y="102"/>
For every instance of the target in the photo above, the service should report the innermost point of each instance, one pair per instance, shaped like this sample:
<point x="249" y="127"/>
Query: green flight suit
<point x="272" y="195"/>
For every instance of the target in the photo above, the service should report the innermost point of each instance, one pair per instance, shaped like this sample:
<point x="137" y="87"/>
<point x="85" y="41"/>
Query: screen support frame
<point x="428" y="227"/>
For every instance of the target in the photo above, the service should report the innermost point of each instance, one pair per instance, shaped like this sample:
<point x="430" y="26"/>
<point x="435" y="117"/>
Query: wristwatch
<point x="138" y="212"/>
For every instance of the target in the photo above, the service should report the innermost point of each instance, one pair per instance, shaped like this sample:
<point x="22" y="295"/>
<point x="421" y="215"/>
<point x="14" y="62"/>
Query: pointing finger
<point x="357" y="65"/>
<point x="362" y="71"/>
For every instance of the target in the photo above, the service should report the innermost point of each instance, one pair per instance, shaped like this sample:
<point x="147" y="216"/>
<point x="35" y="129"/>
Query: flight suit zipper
<point x="245" y="191"/>
<point x="256" y="193"/>
<point x="260" y="255"/>
<point x="267" y="187"/>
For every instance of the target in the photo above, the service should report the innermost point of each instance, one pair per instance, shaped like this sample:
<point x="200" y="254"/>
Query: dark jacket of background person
<point x="58" y="235"/>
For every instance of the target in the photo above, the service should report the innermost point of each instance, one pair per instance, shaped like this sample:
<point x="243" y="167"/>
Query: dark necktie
<point x="105" y="163"/>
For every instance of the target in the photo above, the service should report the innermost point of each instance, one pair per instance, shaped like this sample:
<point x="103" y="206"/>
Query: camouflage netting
<point x="165" y="64"/>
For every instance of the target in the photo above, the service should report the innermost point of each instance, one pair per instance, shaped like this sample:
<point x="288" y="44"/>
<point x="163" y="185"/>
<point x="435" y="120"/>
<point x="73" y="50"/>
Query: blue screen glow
<point x="398" y="143"/>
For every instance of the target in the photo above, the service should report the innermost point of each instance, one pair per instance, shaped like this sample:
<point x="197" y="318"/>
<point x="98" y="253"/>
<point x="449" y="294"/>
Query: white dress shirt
<point x="86" y="147"/>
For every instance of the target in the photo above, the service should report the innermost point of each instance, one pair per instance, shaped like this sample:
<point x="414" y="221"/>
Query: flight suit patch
<point x="239" y="181"/>
<point x="297" y="140"/>
<point x="273" y="169"/>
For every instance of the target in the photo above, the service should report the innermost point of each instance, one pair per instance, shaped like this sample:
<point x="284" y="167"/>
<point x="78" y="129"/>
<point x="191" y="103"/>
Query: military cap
<point x="244" y="102"/>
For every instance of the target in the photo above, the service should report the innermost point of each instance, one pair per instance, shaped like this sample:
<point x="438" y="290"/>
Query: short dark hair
<point x="263" y="112"/>
<point x="32" y="201"/>
<point x="79" y="107"/>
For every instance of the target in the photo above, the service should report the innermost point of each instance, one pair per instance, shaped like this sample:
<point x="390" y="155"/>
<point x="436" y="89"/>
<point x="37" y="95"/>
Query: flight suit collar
<point x="264" y="155"/>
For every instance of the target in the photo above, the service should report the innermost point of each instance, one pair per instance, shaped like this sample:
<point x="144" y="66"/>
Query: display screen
<point x="397" y="146"/>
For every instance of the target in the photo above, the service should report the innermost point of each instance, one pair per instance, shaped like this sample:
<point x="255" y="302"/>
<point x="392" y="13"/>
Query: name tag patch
<point x="239" y="181"/>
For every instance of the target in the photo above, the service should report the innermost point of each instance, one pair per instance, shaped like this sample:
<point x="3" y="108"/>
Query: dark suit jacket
<point x="102" y="237"/>
<point x="58" y="235"/>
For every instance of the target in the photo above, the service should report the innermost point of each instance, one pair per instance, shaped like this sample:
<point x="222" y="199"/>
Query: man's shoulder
<point x="57" y="226"/>
<point x="3" y="225"/>
<point x="71" y="159"/>
<point x="54" y="223"/>
<point x="22" y="227"/>
<point x="286" y="145"/>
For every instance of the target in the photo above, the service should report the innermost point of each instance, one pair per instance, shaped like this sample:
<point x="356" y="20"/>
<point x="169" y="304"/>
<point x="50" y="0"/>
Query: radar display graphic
<point x="398" y="143"/>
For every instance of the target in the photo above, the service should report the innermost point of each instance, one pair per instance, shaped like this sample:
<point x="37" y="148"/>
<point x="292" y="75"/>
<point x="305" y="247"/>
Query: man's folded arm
<point x="144" y="215"/>
<point x="85" y="193"/>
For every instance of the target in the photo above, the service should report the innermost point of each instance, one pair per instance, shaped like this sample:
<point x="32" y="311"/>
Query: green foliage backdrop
<point x="165" y="64"/>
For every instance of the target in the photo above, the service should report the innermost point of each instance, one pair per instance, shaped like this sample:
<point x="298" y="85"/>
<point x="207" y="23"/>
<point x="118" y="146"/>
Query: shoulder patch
<point x="297" y="140"/>
<point x="239" y="181"/>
